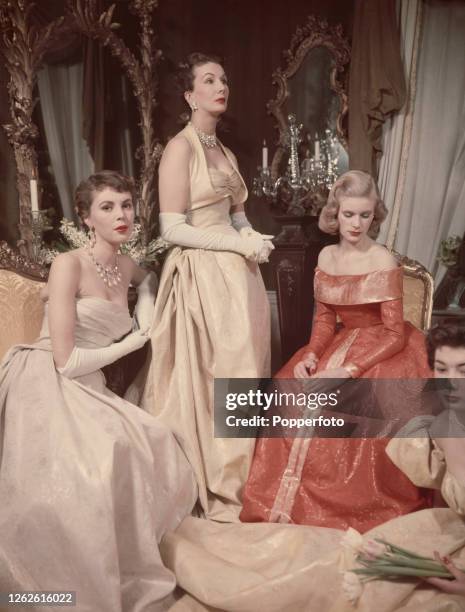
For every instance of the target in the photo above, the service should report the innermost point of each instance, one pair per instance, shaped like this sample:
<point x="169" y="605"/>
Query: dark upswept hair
<point x="185" y="74"/>
<point x="352" y="184"/>
<point x="84" y="193"/>
<point x="446" y="334"/>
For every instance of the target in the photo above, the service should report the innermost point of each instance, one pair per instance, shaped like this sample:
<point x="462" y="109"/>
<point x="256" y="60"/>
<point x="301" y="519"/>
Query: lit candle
<point x="317" y="149"/>
<point x="264" y="155"/>
<point x="34" y="194"/>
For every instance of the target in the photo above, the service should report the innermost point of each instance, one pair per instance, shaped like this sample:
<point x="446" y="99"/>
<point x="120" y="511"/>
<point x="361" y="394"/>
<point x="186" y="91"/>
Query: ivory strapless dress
<point x="89" y="483"/>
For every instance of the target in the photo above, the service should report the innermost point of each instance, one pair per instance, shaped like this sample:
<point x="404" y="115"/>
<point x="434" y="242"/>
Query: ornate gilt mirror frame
<point x="315" y="33"/>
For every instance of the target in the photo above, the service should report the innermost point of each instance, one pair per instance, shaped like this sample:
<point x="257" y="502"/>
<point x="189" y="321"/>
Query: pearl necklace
<point x="110" y="275"/>
<point x="209" y="140"/>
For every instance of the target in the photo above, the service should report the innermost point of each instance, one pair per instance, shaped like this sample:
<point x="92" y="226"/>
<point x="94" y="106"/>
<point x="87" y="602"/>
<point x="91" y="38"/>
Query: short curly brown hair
<point x="185" y="74"/>
<point x="84" y="194"/>
<point x="356" y="184"/>
<point x="446" y="334"/>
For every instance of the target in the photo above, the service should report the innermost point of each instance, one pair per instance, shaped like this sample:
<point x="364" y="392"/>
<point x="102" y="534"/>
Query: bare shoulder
<point x="67" y="263"/>
<point x="382" y="258"/>
<point x="178" y="148"/>
<point x="326" y="258"/>
<point x="65" y="274"/>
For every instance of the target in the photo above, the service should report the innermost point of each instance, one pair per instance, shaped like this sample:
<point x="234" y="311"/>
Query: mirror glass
<point x="316" y="105"/>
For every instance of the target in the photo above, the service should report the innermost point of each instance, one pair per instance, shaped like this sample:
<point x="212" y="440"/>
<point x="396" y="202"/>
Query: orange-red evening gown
<point x="342" y="482"/>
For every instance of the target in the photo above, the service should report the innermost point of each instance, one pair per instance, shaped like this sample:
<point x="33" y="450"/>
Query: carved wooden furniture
<point x="418" y="292"/>
<point x="293" y="263"/>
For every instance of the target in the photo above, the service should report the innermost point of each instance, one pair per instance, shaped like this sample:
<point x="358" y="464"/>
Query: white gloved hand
<point x="86" y="360"/>
<point x="175" y="229"/>
<point x="267" y="246"/>
<point x="146" y="293"/>
<point x="264" y="254"/>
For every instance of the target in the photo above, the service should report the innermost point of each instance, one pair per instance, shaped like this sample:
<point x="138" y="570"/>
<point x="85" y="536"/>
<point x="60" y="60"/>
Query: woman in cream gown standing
<point x="211" y="317"/>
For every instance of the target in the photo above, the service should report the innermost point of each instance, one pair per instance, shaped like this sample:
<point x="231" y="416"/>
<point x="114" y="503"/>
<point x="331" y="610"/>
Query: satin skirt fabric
<point x="89" y="483"/>
<point x="211" y="321"/>
<point x="295" y="568"/>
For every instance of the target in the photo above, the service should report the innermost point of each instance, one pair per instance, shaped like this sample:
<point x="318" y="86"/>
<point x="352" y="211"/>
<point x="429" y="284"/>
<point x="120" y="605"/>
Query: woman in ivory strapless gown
<point x="211" y="316"/>
<point x="89" y="483"/>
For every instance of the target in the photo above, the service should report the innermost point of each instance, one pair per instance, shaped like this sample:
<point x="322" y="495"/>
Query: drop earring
<point x="92" y="238"/>
<point x="194" y="106"/>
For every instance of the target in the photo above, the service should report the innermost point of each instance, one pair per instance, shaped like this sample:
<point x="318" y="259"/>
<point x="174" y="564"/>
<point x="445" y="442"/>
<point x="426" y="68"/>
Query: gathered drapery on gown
<point x="343" y="482"/>
<point x="89" y="483"/>
<point x="299" y="568"/>
<point x="211" y="321"/>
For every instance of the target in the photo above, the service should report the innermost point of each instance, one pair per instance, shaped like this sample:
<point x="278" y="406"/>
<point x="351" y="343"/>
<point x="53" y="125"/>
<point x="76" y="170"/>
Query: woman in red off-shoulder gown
<point x="341" y="482"/>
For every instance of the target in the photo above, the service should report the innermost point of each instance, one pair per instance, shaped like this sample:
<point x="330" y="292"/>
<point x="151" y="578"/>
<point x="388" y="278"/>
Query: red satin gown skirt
<point x="338" y="482"/>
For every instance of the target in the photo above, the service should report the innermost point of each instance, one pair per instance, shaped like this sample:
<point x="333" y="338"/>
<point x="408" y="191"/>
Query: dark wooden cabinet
<point x="293" y="263"/>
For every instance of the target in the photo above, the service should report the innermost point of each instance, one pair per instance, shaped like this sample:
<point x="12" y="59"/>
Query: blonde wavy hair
<point x="352" y="184"/>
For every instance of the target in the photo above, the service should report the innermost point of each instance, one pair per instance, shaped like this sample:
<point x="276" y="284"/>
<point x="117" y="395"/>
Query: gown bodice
<point x="99" y="323"/>
<point x="203" y="191"/>
<point x="227" y="187"/>
<point x="356" y="298"/>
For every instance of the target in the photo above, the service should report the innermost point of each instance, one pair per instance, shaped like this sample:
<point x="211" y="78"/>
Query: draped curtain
<point x="397" y="132"/>
<point x="60" y="89"/>
<point x="376" y="82"/>
<point x="431" y="195"/>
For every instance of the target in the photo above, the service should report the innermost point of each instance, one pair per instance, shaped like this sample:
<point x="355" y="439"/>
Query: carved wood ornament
<point x="23" y="46"/>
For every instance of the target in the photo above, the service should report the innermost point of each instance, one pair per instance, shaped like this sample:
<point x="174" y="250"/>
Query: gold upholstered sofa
<point x="21" y="307"/>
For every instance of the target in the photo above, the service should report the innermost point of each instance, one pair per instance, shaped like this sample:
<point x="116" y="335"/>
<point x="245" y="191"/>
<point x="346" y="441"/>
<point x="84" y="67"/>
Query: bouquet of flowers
<point x="381" y="560"/>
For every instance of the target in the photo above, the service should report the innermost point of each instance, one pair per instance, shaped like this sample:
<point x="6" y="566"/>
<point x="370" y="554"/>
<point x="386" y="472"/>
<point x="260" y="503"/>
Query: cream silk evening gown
<point x="89" y="483"/>
<point x="211" y="321"/>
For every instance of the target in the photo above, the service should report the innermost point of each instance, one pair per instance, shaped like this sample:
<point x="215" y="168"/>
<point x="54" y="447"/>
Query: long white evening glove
<point x="146" y="293"/>
<point x="175" y="229"/>
<point x="240" y="223"/>
<point x="86" y="360"/>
